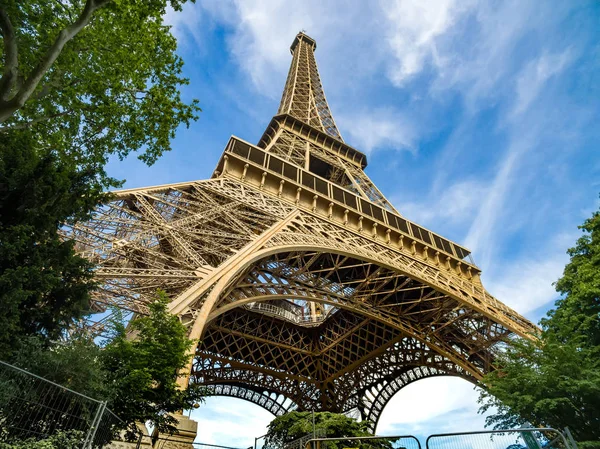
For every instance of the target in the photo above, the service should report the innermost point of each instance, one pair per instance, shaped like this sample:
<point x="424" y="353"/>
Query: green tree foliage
<point x="61" y="440"/>
<point x="555" y="381"/>
<point x="92" y="78"/>
<point x="135" y="372"/>
<point x="293" y="425"/>
<point x="577" y="313"/>
<point x="74" y="363"/>
<point x="142" y="371"/>
<point x="44" y="285"/>
<point x="81" y="81"/>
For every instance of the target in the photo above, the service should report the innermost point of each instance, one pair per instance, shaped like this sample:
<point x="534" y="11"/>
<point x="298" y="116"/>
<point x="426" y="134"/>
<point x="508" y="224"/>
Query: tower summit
<point x="305" y="287"/>
<point x="303" y="95"/>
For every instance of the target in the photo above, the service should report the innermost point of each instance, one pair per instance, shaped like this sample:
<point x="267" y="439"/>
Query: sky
<point x="480" y="120"/>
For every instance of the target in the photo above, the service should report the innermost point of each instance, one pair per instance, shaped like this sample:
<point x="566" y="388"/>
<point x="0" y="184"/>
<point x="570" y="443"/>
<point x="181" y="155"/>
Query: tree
<point x="293" y="425"/>
<point x="60" y="440"/>
<point x="92" y="78"/>
<point x="555" y="381"/>
<point x="135" y="373"/>
<point x="81" y="81"/>
<point x="44" y="286"/>
<point x="577" y="313"/>
<point x="142" y="371"/>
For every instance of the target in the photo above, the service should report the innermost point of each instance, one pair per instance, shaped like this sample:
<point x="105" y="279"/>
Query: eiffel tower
<point x="306" y="288"/>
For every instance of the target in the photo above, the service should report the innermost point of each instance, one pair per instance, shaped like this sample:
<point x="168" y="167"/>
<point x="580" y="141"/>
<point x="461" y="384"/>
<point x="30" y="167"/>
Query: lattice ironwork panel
<point x="303" y="95"/>
<point x="303" y="291"/>
<point x="275" y="403"/>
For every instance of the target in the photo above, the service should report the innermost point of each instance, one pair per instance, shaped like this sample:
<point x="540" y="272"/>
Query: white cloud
<point x="187" y="22"/>
<point x="524" y="136"/>
<point x="444" y="403"/>
<point x="414" y="29"/>
<point x="481" y="60"/>
<point x="454" y="205"/>
<point x="526" y="285"/>
<point x="262" y="31"/>
<point x="230" y="422"/>
<point x="533" y="77"/>
<point x="480" y="237"/>
<point x="368" y="130"/>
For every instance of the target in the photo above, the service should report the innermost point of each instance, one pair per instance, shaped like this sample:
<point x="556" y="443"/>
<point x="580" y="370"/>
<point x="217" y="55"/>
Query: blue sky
<point x="481" y="121"/>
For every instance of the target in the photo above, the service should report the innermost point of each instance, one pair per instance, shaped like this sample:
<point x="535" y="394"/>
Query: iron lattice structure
<point x="305" y="286"/>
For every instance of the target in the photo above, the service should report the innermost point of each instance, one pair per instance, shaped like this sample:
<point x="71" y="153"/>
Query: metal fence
<point x="34" y="408"/>
<point x="525" y="438"/>
<point x="302" y="442"/>
<point x="531" y="438"/>
<point x="371" y="442"/>
<point x="172" y="442"/>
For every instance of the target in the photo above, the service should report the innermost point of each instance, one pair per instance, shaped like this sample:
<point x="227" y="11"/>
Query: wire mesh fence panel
<point x="32" y="407"/>
<point x="500" y="439"/>
<point x="260" y="442"/>
<point x="301" y="443"/>
<point x="173" y="442"/>
<point x="211" y="446"/>
<point x="372" y="442"/>
<point x="106" y="430"/>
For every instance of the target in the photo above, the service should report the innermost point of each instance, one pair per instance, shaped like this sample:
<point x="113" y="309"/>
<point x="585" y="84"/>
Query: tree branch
<point x="10" y="107"/>
<point x="11" y="59"/>
<point x="65" y="9"/>
<point x="32" y="122"/>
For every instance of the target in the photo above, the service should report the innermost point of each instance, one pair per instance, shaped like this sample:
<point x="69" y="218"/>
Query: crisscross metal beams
<point x="305" y="287"/>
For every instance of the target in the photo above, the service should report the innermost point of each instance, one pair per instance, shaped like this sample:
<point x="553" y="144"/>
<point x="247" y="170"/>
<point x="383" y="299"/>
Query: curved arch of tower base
<point x="306" y="287"/>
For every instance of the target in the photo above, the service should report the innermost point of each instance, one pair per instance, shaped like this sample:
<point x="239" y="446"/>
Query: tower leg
<point x="187" y="429"/>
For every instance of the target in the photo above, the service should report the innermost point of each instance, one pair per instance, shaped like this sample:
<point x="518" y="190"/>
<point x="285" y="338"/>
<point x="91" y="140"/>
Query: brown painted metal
<point x="305" y="286"/>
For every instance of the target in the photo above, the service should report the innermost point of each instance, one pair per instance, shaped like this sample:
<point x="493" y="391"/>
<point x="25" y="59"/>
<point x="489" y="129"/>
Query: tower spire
<point x="303" y="96"/>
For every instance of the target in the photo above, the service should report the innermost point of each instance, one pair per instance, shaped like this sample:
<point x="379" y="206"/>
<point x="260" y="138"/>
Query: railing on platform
<point x="275" y="310"/>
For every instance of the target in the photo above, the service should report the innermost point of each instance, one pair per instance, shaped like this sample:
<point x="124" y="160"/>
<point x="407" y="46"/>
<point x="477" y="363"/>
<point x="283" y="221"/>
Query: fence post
<point x="89" y="439"/>
<point x="570" y="438"/>
<point x="139" y="442"/>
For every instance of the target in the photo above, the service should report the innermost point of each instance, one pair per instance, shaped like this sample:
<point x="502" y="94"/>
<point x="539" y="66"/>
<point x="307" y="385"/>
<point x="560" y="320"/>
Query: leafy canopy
<point x="44" y="286"/>
<point x="135" y="372"/>
<point x="555" y="381"/>
<point x="293" y="425"/>
<point x="142" y="367"/>
<point x="577" y="314"/>
<point x="92" y="78"/>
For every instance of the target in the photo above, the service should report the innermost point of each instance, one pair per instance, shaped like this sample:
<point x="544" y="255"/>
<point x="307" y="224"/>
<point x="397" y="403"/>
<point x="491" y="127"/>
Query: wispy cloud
<point x="186" y="23"/>
<point x="456" y="204"/>
<point x="524" y="136"/>
<point x="414" y="29"/>
<point x="230" y="421"/>
<point x="526" y="284"/>
<point x="428" y="404"/>
<point x="481" y="232"/>
<point x="379" y="128"/>
<point x="534" y="76"/>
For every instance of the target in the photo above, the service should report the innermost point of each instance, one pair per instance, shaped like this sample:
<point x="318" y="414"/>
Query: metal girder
<point x="304" y="285"/>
